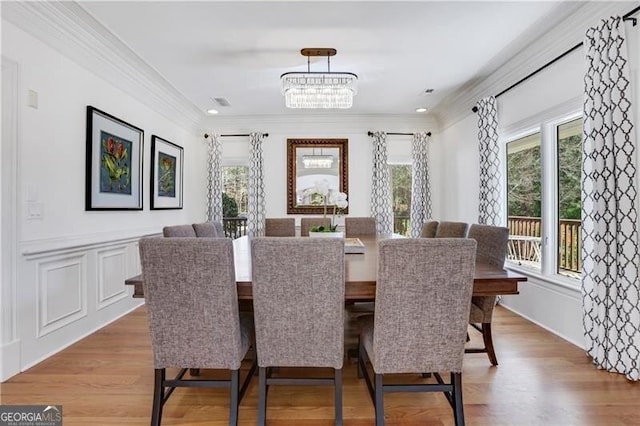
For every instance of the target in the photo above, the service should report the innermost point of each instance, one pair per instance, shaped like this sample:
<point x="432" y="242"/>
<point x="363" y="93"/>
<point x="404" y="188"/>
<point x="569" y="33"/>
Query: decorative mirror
<point x="312" y="163"/>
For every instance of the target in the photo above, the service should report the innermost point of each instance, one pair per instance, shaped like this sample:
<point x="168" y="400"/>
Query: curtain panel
<point x="610" y="287"/>
<point x="490" y="202"/>
<point x="381" y="208"/>
<point x="256" y="200"/>
<point x="214" y="179"/>
<point x="420" y="189"/>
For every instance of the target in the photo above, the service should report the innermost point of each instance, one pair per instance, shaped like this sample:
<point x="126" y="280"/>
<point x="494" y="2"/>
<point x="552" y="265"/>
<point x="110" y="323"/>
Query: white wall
<point x="555" y="91"/>
<point x="72" y="263"/>
<point x="353" y="128"/>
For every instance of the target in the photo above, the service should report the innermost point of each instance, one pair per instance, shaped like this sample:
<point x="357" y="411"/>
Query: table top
<point x="360" y="273"/>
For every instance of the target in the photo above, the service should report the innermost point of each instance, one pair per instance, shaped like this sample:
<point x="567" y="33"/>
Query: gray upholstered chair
<point x="298" y="302"/>
<point x="354" y="226"/>
<point x="429" y="229"/>
<point x="192" y="305"/>
<point x="179" y="231"/>
<point x="281" y="227"/>
<point x="306" y="223"/>
<point x="219" y="229"/>
<point x="492" y="250"/>
<point x="452" y="230"/>
<point x="432" y="321"/>
<point x="206" y="230"/>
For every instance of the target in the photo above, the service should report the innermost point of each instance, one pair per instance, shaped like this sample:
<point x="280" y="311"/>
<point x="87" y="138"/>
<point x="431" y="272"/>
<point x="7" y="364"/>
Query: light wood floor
<point x="107" y="379"/>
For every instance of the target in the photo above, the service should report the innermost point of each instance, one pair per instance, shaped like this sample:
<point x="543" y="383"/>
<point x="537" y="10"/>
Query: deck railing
<point x="525" y="241"/>
<point x="234" y="227"/>
<point x="401" y="225"/>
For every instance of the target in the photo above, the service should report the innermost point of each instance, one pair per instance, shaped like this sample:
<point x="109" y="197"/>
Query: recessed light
<point x="212" y="111"/>
<point x="421" y="109"/>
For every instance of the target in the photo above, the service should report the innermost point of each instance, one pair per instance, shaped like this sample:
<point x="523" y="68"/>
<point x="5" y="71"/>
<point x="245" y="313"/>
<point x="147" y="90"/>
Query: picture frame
<point x="114" y="156"/>
<point x="167" y="172"/>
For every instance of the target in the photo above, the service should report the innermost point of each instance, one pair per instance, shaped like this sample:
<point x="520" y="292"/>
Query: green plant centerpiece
<point x="322" y="194"/>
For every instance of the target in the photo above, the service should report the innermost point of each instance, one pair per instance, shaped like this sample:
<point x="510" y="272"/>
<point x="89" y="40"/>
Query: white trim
<point x="11" y="355"/>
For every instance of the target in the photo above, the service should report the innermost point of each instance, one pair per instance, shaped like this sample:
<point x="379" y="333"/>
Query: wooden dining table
<point x="360" y="274"/>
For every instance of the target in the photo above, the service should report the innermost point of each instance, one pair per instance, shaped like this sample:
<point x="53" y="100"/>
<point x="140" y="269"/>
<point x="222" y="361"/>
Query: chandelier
<point x="317" y="161"/>
<point x="319" y="89"/>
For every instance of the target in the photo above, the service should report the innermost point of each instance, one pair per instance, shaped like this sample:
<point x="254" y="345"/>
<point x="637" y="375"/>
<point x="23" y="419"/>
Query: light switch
<point x="35" y="211"/>
<point x="32" y="99"/>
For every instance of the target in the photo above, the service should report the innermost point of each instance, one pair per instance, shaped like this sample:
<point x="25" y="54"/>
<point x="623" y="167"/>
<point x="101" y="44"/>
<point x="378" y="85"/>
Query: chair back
<point x="306" y="223"/>
<point x="422" y="308"/>
<point x="429" y="229"/>
<point x="282" y="227"/>
<point x="452" y="230"/>
<point x="298" y="301"/>
<point x="492" y="243"/>
<point x="206" y="230"/>
<point x="355" y="226"/>
<point x="219" y="229"/>
<point x="192" y="302"/>
<point x="179" y="231"/>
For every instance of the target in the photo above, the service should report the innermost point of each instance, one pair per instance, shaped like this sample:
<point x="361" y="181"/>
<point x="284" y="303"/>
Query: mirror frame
<point x="343" y="178"/>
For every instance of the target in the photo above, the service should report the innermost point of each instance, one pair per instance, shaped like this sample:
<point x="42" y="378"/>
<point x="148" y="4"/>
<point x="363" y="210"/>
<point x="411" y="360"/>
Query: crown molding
<point x="72" y="31"/>
<point x="557" y="37"/>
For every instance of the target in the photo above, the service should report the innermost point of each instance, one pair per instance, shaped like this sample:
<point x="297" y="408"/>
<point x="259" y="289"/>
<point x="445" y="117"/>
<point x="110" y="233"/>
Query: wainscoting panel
<point x="111" y="276"/>
<point x="62" y="294"/>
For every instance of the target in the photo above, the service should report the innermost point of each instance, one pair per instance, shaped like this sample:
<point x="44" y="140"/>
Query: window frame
<point x="549" y="226"/>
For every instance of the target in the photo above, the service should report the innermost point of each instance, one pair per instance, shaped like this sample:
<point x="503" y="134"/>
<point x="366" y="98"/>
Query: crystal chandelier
<point x="317" y="161"/>
<point x="319" y="89"/>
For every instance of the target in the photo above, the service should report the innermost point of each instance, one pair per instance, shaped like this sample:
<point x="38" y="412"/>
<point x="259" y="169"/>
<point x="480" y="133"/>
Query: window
<point x="544" y="199"/>
<point x="235" y="184"/>
<point x="401" y="201"/>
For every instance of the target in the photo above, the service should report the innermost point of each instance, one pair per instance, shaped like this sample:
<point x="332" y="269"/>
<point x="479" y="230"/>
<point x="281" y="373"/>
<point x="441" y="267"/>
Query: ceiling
<point x="238" y="50"/>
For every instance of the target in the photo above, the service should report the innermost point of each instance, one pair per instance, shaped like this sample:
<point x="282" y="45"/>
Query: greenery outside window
<point x="401" y="201"/>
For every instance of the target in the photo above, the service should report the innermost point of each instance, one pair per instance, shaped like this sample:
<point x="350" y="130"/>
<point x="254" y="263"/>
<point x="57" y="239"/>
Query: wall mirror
<point x="311" y="162"/>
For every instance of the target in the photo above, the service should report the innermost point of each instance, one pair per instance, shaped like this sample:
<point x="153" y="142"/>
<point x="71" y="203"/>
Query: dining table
<point x="360" y="273"/>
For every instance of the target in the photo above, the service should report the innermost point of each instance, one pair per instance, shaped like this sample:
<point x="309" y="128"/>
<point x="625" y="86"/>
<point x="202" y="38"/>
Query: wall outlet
<point x="35" y="211"/>
<point x="32" y="99"/>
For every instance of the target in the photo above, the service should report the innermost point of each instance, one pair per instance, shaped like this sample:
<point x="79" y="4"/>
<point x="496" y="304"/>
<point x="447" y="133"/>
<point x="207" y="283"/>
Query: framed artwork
<point x="114" y="163"/>
<point x="166" y="174"/>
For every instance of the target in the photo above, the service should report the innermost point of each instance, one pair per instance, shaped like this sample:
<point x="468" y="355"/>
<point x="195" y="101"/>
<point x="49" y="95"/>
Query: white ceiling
<point x="238" y="50"/>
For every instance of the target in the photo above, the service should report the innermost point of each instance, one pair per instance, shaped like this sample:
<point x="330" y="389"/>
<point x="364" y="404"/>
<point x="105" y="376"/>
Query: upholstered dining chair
<point x="298" y="302"/>
<point x="432" y="321"/>
<point x="354" y="226"/>
<point x="429" y="229"/>
<point x="219" y="229"/>
<point x="492" y="250"/>
<point x="280" y="227"/>
<point x="206" y="230"/>
<point x="179" y="231"/>
<point x="192" y="305"/>
<point x="452" y="230"/>
<point x="306" y="223"/>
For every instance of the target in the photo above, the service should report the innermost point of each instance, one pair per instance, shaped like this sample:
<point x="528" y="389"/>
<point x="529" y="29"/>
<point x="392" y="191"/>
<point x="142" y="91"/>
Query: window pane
<point x="235" y="190"/>
<point x="524" y="191"/>
<point x="401" y="189"/>
<point x="569" y="138"/>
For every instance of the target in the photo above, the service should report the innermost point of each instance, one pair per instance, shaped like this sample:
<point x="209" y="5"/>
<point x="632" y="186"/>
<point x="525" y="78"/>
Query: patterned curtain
<point x="420" y="190"/>
<point x="255" y="221"/>
<point x="490" y="202"/>
<point x="214" y="179"/>
<point x="610" y="286"/>
<point x="381" y="208"/>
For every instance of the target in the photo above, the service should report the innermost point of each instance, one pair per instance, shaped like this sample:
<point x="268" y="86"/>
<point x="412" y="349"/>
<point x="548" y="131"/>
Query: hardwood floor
<point x="107" y="379"/>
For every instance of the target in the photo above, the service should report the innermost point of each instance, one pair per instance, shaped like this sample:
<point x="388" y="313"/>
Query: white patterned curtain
<point x="610" y="286"/>
<point x="214" y="179"/>
<point x="490" y="205"/>
<point x="381" y="208"/>
<point x="420" y="190"/>
<point x="255" y="221"/>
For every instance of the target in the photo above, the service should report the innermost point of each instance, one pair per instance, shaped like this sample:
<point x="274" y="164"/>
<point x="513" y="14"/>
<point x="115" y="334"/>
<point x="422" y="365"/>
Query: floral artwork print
<point x="115" y="164"/>
<point x="166" y="175"/>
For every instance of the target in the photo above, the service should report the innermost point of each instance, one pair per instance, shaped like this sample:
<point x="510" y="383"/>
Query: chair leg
<point x="456" y="381"/>
<point x="233" y="403"/>
<point x="262" y="396"/>
<point x="488" y="342"/>
<point x="379" y="401"/>
<point x="338" y="395"/>
<point x="360" y="368"/>
<point x="158" y="395"/>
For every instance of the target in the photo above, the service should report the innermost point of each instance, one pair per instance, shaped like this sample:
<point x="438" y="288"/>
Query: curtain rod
<point x="370" y="133"/>
<point x="626" y="17"/>
<point x="206" y="135"/>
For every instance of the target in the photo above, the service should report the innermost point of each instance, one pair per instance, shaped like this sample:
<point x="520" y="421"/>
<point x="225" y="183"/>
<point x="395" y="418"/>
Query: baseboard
<point x="10" y="360"/>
